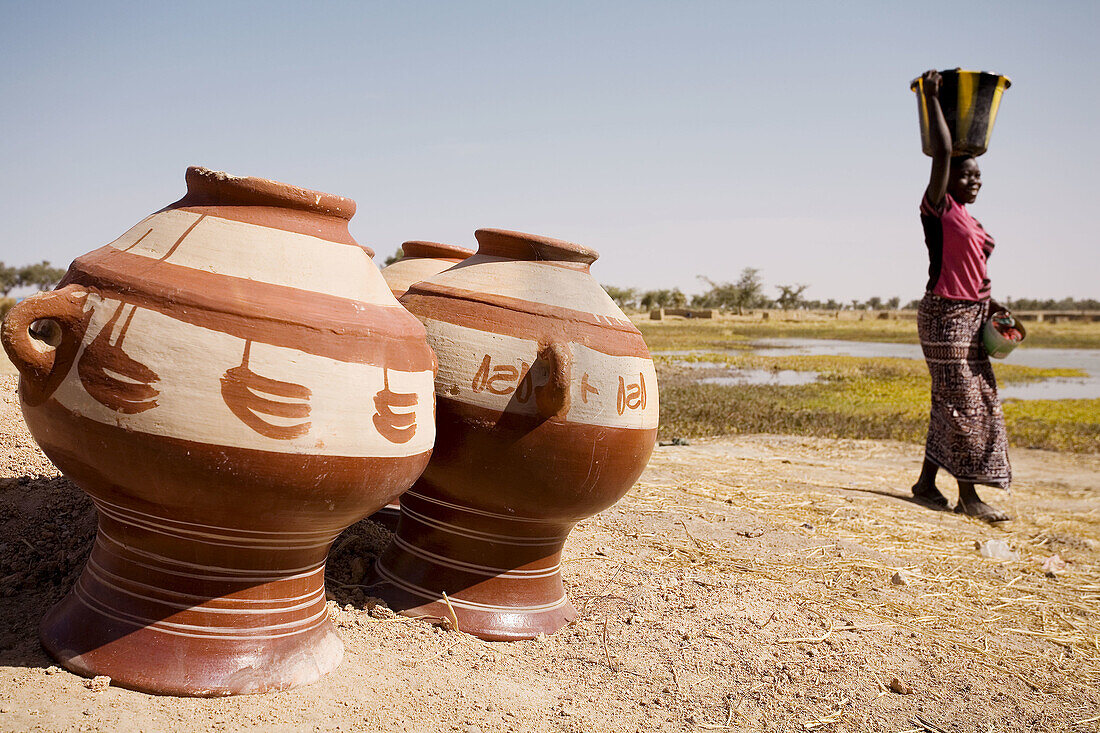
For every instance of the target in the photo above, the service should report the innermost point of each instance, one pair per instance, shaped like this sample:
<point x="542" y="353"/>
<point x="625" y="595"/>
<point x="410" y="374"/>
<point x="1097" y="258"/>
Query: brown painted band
<point x="196" y="478"/>
<point x="477" y="447"/>
<point x="523" y="319"/>
<point x="315" y="323"/>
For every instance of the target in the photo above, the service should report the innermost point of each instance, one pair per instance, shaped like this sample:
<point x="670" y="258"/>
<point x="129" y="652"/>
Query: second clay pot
<point x="546" y="414"/>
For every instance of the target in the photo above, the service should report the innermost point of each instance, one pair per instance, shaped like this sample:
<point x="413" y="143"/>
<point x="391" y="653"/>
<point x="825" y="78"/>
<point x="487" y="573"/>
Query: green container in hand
<point x="969" y="100"/>
<point x="1001" y="334"/>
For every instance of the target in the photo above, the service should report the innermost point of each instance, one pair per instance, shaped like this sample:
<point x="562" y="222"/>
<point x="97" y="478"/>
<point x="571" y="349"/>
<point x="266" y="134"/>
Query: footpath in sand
<point x="752" y="583"/>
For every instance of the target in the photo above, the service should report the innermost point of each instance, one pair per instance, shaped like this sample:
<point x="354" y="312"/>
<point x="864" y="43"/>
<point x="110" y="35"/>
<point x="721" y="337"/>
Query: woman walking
<point x="966" y="431"/>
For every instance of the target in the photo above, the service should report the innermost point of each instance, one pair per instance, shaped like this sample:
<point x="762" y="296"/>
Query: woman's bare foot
<point x="971" y="505"/>
<point x="925" y="491"/>
<point x="980" y="510"/>
<point x="930" y="497"/>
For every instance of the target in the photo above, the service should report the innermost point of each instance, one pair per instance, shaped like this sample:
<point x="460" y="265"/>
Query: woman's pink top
<point x="958" y="248"/>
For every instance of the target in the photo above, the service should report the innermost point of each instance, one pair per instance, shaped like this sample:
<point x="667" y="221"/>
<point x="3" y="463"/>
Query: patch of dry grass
<point x="952" y="594"/>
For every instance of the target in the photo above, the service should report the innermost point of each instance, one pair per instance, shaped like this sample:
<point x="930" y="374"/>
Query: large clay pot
<point x="233" y="384"/>
<point x="546" y="414"/>
<point x="419" y="261"/>
<point x="969" y="100"/>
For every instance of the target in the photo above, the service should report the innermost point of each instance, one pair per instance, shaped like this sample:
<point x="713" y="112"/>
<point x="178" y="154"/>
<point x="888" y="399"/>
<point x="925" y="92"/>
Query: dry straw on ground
<point x="958" y="598"/>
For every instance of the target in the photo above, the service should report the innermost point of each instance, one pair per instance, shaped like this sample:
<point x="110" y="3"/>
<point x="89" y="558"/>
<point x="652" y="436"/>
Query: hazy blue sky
<point x="679" y="139"/>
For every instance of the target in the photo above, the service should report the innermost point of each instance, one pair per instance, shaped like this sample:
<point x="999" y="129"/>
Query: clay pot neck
<point x="531" y="247"/>
<point x="434" y="250"/>
<point x="217" y="188"/>
<point x="269" y="203"/>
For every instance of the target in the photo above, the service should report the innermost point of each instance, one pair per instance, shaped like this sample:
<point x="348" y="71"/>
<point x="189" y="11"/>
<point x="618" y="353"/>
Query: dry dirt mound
<point x="752" y="583"/>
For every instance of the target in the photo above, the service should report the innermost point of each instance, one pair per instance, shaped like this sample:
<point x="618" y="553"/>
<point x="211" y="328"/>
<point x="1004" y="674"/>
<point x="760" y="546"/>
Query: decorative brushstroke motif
<point x="243" y="392"/>
<point x="395" y="426"/>
<point x="111" y="376"/>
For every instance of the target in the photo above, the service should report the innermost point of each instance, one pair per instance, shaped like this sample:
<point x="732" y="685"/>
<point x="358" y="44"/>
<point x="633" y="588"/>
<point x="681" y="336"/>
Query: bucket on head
<point x="1001" y="334"/>
<point x="969" y="100"/>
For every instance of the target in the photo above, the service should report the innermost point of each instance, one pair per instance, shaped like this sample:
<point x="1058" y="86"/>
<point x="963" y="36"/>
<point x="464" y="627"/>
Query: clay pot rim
<point x="210" y="187"/>
<point x="435" y="250"/>
<point x="523" y="246"/>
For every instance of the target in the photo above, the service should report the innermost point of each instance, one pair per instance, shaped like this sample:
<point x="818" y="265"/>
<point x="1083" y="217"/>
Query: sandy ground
<point x="753" y="583"/>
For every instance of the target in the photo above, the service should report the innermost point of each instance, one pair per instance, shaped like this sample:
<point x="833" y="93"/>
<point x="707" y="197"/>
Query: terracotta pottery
<point x="546" y="414"/>
<point x="419" y="261"/>
<point x="233" y="384"/>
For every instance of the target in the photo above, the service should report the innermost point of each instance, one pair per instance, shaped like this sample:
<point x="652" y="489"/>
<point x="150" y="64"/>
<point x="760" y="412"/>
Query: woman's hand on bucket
<point x="930" y="83"/>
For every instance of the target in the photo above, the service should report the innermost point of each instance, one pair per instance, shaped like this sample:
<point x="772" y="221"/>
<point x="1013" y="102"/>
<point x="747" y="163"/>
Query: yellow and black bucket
<point x="969" y="100"/>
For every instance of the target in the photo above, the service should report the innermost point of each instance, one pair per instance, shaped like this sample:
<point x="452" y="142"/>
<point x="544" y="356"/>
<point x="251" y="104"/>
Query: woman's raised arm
<point x="940" y="137"/>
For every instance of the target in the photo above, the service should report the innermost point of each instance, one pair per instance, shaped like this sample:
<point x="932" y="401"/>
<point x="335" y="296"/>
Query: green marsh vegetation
<point x="854" y="397"/>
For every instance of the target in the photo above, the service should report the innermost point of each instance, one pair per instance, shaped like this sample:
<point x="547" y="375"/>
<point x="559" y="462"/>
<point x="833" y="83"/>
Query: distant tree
<point x="720" y="295"/>
<point x="874" y="304"/>
<point x="790" y="296"/>
<point x="747" y="292"/>
<point x="912" y="305"/>
<point x="663" y="299"/>
<point x="398" y="254"/>
<point x="832" y="305"/>
<point x="857" y="304"/>
<point x="44" y="276"/>
<point x="625" y="298"/>
<point x="893" y="303"/>
<point x="9" y="279"/>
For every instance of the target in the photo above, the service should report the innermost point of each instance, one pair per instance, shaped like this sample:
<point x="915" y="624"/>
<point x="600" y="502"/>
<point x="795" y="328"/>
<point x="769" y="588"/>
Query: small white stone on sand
<point x="998" y="550"/>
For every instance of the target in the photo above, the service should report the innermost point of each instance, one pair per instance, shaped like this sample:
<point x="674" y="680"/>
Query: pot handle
<point x="44" y="355"/>
<point x="552" y="398"/>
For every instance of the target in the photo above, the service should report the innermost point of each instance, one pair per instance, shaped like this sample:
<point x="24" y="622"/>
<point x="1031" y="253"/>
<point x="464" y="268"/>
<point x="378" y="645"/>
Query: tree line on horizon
<point x="748" y="292"/>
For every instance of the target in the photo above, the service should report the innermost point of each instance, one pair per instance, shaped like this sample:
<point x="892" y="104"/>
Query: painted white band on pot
<point x="204" y="384"/>
<point x="286" y="258"/>
<point x="499" y="372"/>
<point x="535" y="282"/>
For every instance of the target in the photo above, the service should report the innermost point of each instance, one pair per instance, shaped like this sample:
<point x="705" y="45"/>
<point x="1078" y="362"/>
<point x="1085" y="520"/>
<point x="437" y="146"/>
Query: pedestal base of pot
<point x="175" y="627"/>
<point x="501" y="575"/>
<point x="150" y="659"/>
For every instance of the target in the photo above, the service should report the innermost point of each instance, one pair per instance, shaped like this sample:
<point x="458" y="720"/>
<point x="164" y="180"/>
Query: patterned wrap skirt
<point x="966" y="430"/>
